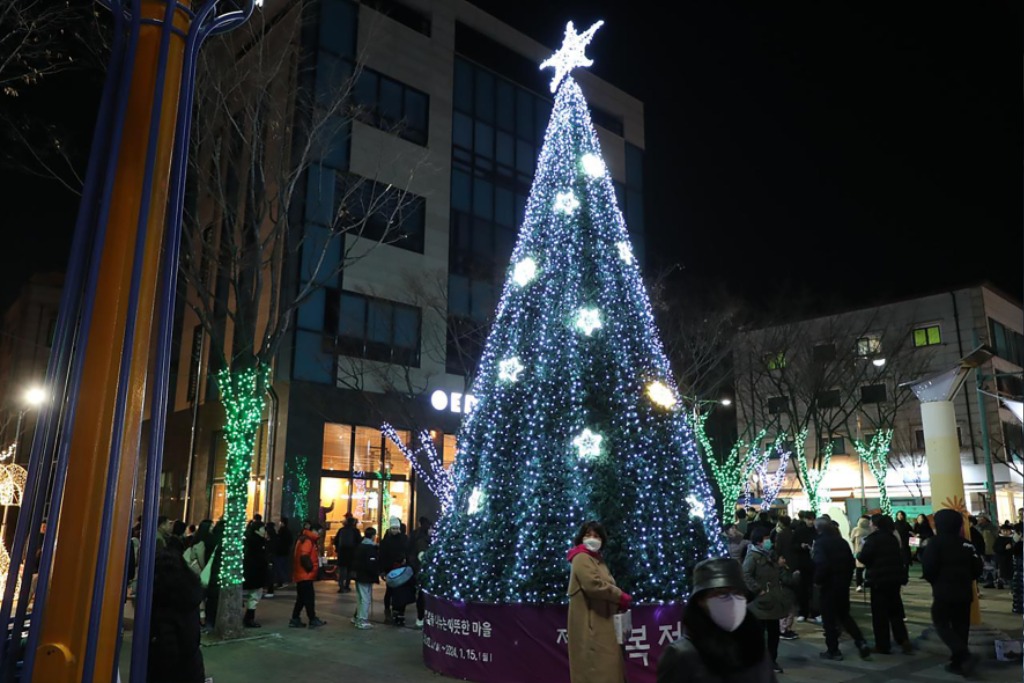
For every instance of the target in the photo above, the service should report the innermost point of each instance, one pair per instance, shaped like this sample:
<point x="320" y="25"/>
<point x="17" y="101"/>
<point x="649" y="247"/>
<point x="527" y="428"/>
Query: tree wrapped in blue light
<point x="577" y="414"/>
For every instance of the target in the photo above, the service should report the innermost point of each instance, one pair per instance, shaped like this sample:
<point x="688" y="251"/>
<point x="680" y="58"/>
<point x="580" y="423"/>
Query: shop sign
<point x="453" y="401"/>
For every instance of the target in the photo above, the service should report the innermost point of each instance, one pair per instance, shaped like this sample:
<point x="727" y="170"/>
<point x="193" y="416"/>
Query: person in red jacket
<point x="305" y="567"/>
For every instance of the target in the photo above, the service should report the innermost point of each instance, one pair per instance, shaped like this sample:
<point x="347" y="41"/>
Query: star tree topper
<point x="570" y="55"/>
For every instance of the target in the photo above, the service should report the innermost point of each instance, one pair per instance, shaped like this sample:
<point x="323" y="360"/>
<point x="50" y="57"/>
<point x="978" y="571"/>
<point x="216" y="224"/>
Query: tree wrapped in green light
<point x="732" y="474"/>
<point x="242" y="395"/>
<point x="300" y="496"/>
<point x="876" y="454"/>
<point x="813" y="478"/>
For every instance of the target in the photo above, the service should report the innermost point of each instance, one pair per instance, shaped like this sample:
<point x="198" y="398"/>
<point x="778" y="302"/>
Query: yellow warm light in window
<point x="661" y="394"/>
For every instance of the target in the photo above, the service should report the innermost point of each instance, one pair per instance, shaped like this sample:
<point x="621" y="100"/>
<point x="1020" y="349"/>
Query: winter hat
<point x="717" y="572"/>
<point x="395" y="523"/>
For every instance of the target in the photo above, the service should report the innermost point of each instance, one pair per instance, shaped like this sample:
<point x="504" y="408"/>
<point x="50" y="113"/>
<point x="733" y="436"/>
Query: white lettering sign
<point x="455" y="401"/>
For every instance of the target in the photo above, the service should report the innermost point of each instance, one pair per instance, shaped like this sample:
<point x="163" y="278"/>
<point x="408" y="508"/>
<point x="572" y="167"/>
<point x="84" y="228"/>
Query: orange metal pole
<point x="65" y="626"/>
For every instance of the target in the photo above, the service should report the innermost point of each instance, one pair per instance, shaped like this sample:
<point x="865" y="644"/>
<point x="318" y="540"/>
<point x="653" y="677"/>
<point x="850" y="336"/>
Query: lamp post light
<point x="33" y="397"/>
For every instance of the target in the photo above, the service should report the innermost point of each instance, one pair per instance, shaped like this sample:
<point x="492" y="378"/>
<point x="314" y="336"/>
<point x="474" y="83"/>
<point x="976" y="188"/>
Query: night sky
<point x="859" y="151"/>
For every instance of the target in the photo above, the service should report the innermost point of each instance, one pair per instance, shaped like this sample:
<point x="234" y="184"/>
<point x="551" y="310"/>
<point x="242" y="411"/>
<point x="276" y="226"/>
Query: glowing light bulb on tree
<point x="661" y="395"/>
<point x="566" y="202"/>
<point x="524" y="272"/>
<point x="588" y="320"/>
<point x="588" y="444"/>
<point x="476" y="501"/>
<point x="509" y="369"/>
<point x="625" y="252"/>
<point x="593" y="166"/>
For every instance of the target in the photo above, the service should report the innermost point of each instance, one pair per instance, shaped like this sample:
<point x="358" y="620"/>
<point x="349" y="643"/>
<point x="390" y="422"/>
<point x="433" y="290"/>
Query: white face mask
<point x="592" y="544"/>
<point x="728" y="611"/>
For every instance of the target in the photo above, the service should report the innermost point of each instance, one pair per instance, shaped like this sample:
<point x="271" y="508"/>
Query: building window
<point x="392" y="105"/>
<point x="382" y="213"/>
<point x="607" y="120"/>
<point x="403" y="14"/>
<point x="919" y="438"/>
<point x="337" y="447"/>
<point x="872" y="393"/>
<point x="824" y="353"/>
<point x="829" y="398"/>
<point x="449" y="451"/>
<point x="869" y="346"/>
<point x="927" y="336"/>
<point x="775" y="361"/>
<point x="775" y="449"/>
<point x="1007" y="343"/>
<point x="365" y="474"/>
<point x="377" y="329"/>
<point x="778" y="405"/>
<point x="217" y="487"/>
<point x="838" y="444"/>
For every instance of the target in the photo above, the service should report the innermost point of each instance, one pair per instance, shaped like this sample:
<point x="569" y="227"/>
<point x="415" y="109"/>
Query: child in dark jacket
<point x="367" y="568"/>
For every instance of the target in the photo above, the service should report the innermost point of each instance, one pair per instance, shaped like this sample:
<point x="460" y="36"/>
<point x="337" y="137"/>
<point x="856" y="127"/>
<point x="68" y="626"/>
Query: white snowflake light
<point x="661" y="394"/>
<point x="509" y="369"/>
<point x="566" y="202"/>
<point x="588" y="444"/>
<point x="571" y="54"/>
<point x="696" y="505"/>
<point x="625" y="252"/>
<point x="588" y="320"/>
<point x="593" y="166"/>
<point x="476" y="501"/>
<point x="524" y="272"/>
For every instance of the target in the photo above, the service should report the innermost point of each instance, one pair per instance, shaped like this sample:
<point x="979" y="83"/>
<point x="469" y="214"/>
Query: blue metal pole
<point x="127" y="352"/>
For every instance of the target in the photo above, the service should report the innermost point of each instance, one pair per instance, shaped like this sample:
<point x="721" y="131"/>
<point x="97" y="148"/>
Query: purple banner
<point x="514" y="643"/>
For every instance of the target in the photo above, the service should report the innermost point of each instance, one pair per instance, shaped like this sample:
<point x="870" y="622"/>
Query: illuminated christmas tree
<point x="576" y="417"/>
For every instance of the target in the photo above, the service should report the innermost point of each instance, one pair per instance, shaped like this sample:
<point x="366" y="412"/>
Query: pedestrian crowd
<point x="781" y="571"/>
<point x="188" y="564"/>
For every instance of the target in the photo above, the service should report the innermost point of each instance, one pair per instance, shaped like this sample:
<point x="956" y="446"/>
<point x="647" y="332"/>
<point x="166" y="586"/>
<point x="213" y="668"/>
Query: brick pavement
<point x="339" y="652"/>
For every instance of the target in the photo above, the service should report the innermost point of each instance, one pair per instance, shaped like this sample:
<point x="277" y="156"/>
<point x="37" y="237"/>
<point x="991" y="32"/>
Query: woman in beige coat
<point x="594" y="654"/>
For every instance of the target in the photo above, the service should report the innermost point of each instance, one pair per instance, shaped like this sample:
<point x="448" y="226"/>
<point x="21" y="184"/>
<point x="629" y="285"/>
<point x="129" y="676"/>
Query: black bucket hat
<point x="717" y="572"/>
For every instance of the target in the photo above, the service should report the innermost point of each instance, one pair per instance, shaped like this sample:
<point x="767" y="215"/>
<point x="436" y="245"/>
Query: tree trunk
<point x="242" y="393"/>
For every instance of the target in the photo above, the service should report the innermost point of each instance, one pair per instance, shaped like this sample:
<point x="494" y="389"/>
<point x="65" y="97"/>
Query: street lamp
<point x="33" y="397"/>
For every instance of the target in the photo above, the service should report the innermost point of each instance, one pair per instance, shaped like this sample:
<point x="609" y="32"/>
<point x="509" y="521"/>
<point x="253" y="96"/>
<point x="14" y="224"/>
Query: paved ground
<point x="340" y="652"/>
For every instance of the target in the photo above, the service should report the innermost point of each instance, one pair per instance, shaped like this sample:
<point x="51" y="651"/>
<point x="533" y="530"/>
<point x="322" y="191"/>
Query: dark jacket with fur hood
<point x="709" y="654"/>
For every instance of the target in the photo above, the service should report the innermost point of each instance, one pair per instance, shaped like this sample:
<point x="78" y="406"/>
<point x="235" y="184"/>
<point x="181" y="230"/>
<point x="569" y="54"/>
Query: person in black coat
<point x="418" y="545"/>
<point x="393" y="548"/>
<point x="174" y="655"/>
<point x="1003" y="549"/>
<point x="904" y="529"/>
<point x="763" y="522"/>
<point x="722" y="641"/>
<point x="951" y="565"/>
<point x="366" y="566"/>
<point x="882" y="557"/>
<point x="833" y="572"/>
<point x="345" y="542"/>
<point x="804" y="536"/>
<point x="254" y="570"/>
<point x="282" y="553"/>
